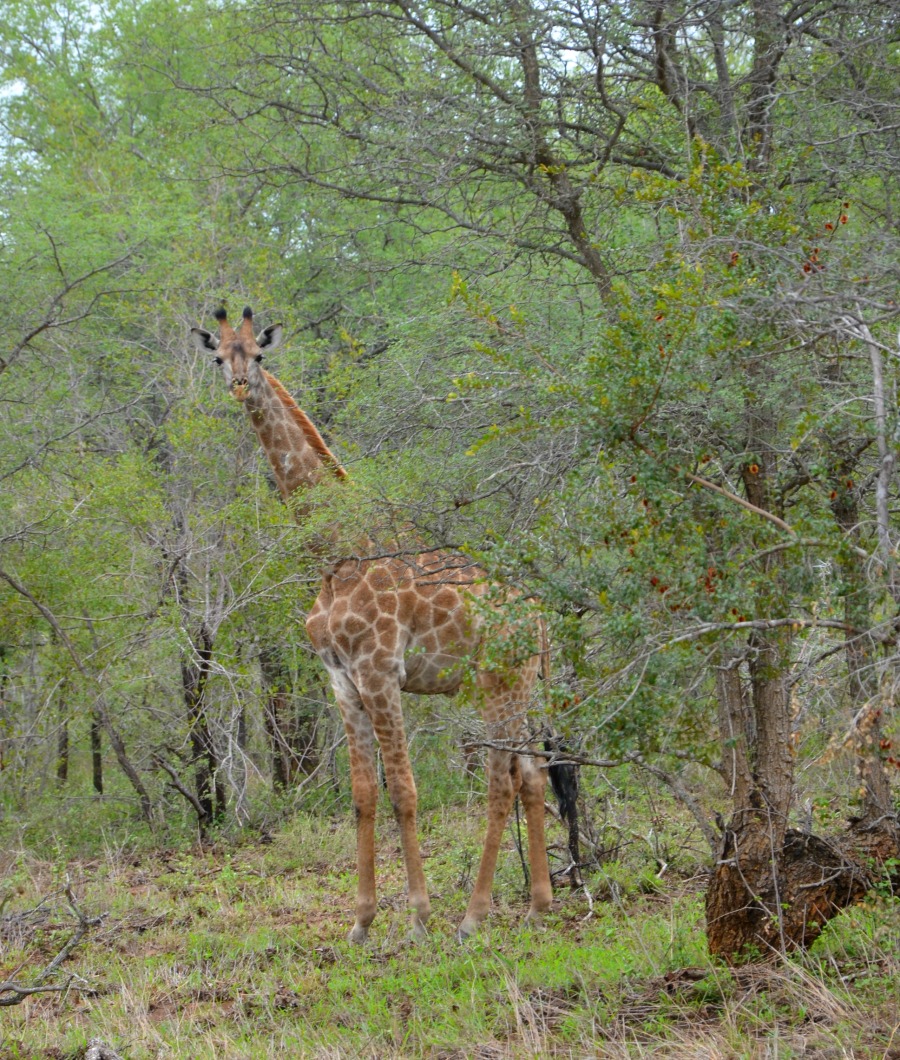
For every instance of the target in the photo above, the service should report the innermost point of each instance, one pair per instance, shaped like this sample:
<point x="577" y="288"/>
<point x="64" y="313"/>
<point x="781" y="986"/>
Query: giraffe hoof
<point x="358" y="934"/>
<point x="417" y="931"/>
<point x="466" y="930"/>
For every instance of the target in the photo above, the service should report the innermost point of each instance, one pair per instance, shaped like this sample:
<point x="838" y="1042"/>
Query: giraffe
<point x="387" y="622"/>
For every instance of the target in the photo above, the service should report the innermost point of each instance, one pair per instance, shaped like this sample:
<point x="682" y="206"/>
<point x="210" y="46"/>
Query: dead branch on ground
<point x="14" y="992"/>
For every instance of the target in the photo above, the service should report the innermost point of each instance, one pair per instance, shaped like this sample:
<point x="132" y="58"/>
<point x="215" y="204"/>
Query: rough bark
<point x="96" y="755"/>
<point x="770" y="41"/>
<point x="745" y="902"/>
<point x="290" y="723"/>
<point x="194" y="676"/>
<point x="62" y="743"/>
<point x="773" y="889"/>
<point x="865" y="702"/>
<point x="736" y="726"/>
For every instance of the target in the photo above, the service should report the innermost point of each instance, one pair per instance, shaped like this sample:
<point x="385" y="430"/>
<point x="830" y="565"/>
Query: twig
<point x="684" y="797"/>
<point x="181" y="789"/>
<point x="552" y="759"/>
<point x="19" y="991"/>
<point x="590" y="902"/>
<point x="733" y="497"/>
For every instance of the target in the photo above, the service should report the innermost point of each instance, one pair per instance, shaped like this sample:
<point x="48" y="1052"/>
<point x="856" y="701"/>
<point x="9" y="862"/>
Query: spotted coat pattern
<point x="402" y="623"/>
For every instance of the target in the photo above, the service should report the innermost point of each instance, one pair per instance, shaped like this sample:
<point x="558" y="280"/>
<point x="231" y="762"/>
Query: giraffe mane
<point x="307" y="426"/>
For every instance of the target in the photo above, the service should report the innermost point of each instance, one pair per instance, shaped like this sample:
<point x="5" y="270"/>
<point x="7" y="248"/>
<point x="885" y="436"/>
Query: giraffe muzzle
<point x="239" y="389"/>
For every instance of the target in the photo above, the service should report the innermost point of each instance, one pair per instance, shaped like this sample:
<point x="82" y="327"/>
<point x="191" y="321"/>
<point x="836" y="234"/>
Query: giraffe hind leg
<point x="503" y="784"/>
<point x="534" y="783"/>
<point x="510" y="774"/>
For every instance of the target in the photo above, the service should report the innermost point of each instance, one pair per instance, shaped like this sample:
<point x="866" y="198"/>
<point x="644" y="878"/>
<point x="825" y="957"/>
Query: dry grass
<point x="240" y="952"/>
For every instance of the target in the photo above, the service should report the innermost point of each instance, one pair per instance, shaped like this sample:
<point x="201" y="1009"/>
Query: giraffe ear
<point x="269" y="338"/>
<point x="203" y="340"/>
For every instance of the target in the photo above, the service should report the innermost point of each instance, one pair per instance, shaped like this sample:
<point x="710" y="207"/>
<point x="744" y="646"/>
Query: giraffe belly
<point x="430" y="674"/>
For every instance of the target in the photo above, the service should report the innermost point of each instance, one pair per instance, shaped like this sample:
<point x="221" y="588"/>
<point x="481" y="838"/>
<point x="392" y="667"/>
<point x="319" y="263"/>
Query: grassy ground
<point x="239" y="950"/>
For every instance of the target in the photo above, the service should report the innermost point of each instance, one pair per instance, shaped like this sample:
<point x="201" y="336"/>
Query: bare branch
<point x="18" y="992"/>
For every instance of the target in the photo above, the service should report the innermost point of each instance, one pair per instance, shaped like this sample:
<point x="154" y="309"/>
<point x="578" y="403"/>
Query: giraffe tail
<point x="564" y="776"/>
<point x="564" y="779"/>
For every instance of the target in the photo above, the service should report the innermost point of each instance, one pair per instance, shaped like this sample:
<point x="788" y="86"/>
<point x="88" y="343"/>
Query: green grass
<point x="239" y="950"/>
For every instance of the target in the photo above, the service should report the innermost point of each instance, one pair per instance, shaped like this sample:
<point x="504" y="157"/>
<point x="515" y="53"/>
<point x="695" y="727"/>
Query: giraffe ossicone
<point x="383" y="626"/>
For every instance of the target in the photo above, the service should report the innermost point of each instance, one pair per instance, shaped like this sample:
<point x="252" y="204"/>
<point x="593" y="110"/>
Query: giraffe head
<point x="238" y="352"/>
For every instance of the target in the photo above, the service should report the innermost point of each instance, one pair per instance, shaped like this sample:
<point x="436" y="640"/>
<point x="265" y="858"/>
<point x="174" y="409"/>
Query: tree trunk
<point x="736" y="727"/>
<point x="5" y="714"/>
<point x="62" y="741"/>
<point x="865" y="703"/>
<point x="96" y="755"/>
<point x="62" y="752"/>
<point x="745" y="900"/>
<point x="291" y="722"/>
<point x="209" y="785"/>
<point x="773" y="888"/>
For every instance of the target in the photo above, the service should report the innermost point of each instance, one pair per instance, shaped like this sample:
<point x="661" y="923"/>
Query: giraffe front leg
<point x="364" y="785"/>
<point x="365" y="799"/>
<point x="382" y="699"/>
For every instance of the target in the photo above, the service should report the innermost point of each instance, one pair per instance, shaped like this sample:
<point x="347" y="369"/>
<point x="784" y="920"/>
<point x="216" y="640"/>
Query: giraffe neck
<point x="295" y="449"/>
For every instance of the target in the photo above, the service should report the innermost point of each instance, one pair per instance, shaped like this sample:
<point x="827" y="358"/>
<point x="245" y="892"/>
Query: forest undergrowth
<point x="237" y="948"/>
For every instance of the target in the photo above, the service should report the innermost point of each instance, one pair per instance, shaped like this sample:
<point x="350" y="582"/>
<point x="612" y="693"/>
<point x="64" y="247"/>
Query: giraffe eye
<point x="218" y="360"/>
<point x="258" y="358"/>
